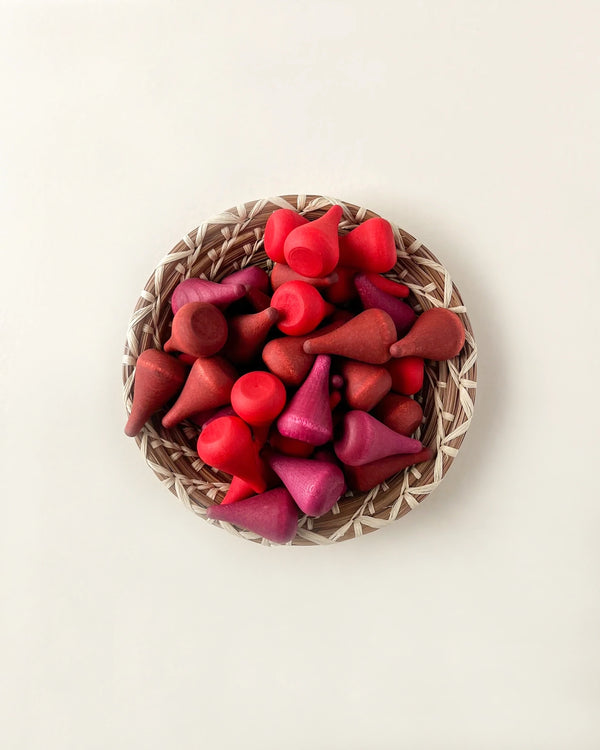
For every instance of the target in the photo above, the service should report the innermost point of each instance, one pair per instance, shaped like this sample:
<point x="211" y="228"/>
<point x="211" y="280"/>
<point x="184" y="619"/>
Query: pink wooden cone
<point x="308" y="416"/>
<point x="366" y="384"/>
<point x="282" y="273"/>
<point x="247" y="334"/>
<point x="402" y="314"/>
<point x="370" y="247"/>
<point x="279" y="224"/>
<point x="438" y="334"/>
<point x="313" y="249"/>
<point x="199" y="330"/>
<point x="315" y="486"/>
<point x="367" y="476"/>
<point x="201" y="290"/>
<point x="250" y="276"/>
<point x="273" y="515"/>
<point x="367" y="337"/>
<point x="366" y="439"/>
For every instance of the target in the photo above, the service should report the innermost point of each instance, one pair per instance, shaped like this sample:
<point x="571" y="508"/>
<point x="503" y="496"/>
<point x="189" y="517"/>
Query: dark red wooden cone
<point x="201" y="290"/>
<point x="273" y="515"/>
<point x="370" y="247"/>
<point x="343" y="290"/>
<point x="258" y="300"/>
<point x="366" y="337"/>
<point x="400" y="413"/>
<point x="247" y="334"/>
<point x="279" y="224"/>
<point x="366" y="384"/>
<point x="286" y="358"/>
<point x="208" y="385"/>
<point x="158" y="377"/>
<point x="402" y="314"/>
<point x="282" y="273"/>
<point x="315" y="486"/>
<point x="407" y="374"/>
<point x="313" y="249"/>
<point x="438" y="334"/>
<point x="250" y="277"/>
<point x="308" y="416"/>
<point x="364" y="478"/>
<point x="365" y="439"/>
<point x="199" y="330"/>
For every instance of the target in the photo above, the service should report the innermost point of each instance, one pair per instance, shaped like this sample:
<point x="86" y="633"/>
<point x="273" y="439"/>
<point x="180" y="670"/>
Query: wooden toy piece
<point x="247" y="334"/>
<point x="238" y="490"/>
<point x="199" y="330"/>
<point x="366" y="384"/>
<point x="201" y="417"/>
<point x="272" y="515"/>
<point x="201" y="290"/>
<point x="364" y="478"/>
<point x="313" y="249"/>
<point x="315" y="486"/>
<point x="407" y="374"/>
<point x="282" y="273"/>
<point x="336" y="381"/>
<point x="395" y="288"/>
<point x="369" y="247"/>
<point x="223" y="411"/>
<point x="226" y="444"/>
<point x="279" y="224"/>
<point x="289" y="446"/>
<point x="301" y="308"/>
<point x="258" y="397"/>
<point x="438" y="334"/>
<point x="187" y="359"/>
<point x="366" y="337"/>
<point x="307" y="417"/>
<point x="343" y="291"/>
<point x="208" y="385"/>
<point x="158" y="377"/>
<point x="258" y="300"/>
<point x="286" y="359"/>
<point x="400" y="413"/>
<point x="326" y="454"/>
<point x="365" y="439"/>
<point x="402" y="314"/>
<point x="250" y="276"/>
<point x="335" y="398"/>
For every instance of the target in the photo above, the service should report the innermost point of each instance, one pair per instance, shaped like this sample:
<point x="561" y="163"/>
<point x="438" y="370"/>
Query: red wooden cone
<point x="258" y="300"/>
<point x="313" y="249"/>
<point x="250" y="276"/>
<point x="402" y="314"/>
<point x="366" y="337"/>
<point x="279" y="224"/>
<point x="335" y="398"/>
<point x="289" y="446"/>
<point x="282" y="273"/>
<point x="387" y="285"/>
<point x="238" y="490"/>
<point x="407" y="374"/>
<point x="438" y="334"/>
<point x="365" y="439"/>
<point x="286" y="358"/>
<point x="366" y="384"/>
<point x="201" y="290"/>
<point x="301" y="308"/>
<point x="308" y="416"/>
<point x="364" y="478"/>
<point x="199" y="330"/>
<point x="315" y="486"/>
<point x="208" y="385"/>
<point x="272" y="515"/>
<point x="258" y="397"/>
<point x="400" y="413"/>
<point x="226" y="444"/>
<point x="343" y="290"/>
<point x="247" y="334"/>
<point x="370" y="247"/>
<point x="158" y="377"/>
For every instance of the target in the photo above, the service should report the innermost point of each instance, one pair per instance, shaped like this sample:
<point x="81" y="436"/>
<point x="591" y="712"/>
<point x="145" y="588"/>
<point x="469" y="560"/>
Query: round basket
<point x="233" y="240"/>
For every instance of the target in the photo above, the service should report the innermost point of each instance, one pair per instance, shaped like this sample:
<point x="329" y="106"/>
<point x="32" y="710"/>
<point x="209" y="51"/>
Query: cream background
<point x="126" y="622"/>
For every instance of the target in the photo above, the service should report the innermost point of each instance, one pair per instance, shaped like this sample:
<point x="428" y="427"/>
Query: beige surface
<point x="473" y="622"/>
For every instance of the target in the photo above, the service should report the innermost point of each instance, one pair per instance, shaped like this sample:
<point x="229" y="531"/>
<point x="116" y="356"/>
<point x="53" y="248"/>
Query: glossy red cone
<point x="366" y="337"/>
<point x="202" y="290"/>
<point x="226" y="444"/>
<point x="366" y="384"/>
<point x="272" y="515"/>
<point x="258" y="397"/>
<point x="247" y="334"/>
<point x="343" y="290"/>
<point x="365" y="439"/>
<point x="407" y="374"/>
<point x="308" y="416"/>
<point x="395" y="288"/>
<point x="313" y="249"/>
<point x="301" y="308"/>
<point x="282" y="273"/>
<point x="199" y="330"/>
<point x="438" y="334"/>
<point x="279" y="224"/>
<point x="370" y="247"/>
<point x="250" y="276"/>
<point x="315" y="486"/>
<point x="364" y="478"/>
<point x="400" y="413"/>
<point x="158" y="377"/>
<point x="286" y="359"/>
<point x="370" y="296"/>
<point x="208" y="385"/>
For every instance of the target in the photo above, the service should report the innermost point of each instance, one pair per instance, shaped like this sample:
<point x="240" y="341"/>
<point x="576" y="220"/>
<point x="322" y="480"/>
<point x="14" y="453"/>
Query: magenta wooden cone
<point x="315" y="486"/>
<point x="313" y="249"/>
<point x="158" y="377"/>
<point x="367" y="337"/>
<point x="308" y="416"/>
<point x="247" y="334"/>
<point x="250" y="276"/>
<point x="271" y="514"/>
<point x="282" y="273"/>
<point x="365" y="439"/>
<point x="402" y="314"/>
<point x="199" y="330"/>
<point x="202" y="290"/>
<point x="438" y="334"/>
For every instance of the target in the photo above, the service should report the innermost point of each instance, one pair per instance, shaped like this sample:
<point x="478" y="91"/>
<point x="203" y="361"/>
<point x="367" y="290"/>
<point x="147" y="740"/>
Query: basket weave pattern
<point x="233" y="240"/>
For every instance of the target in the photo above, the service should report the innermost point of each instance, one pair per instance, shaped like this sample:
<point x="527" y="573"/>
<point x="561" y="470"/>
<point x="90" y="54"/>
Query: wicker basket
<point x="231" y="241"/>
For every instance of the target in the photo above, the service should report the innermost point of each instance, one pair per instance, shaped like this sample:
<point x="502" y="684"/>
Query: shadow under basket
<point x="233" y="240"/>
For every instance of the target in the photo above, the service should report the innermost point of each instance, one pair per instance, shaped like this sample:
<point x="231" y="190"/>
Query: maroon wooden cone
<point x="158" y="377"/>
<point x="199" y="330"/>
<point x="400" y="413"/>
<point x="308" y="416"/>
<point x="315" y="486"/>
<point x="250" y="276"/>
<point x="313" y="249"/>
<point x="282" y="273"/>
<point x="438" y="334"/>
<point x="366" y="384"/>
<point x="402" y="314"/>
<point x="370" y="247"/>
<point x="272" y="515"/>
<point x="365" y="439"/>
<point x="286" y="358"/>
<point x="364" y="478"/>
<point x="202" y="290"/>
<point x="207" y="386"/>
<point x="247" y="334"/>
<point x="366" y="337"/>
<point x="258" y="300"/>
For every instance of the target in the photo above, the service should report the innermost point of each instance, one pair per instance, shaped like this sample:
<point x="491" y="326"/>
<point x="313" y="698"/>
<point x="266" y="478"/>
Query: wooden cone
<point x="365" y="439"/>
<point x="313" y="249"/>
<point x="364" y="478"/>
<point x="400" y="413"/>
<point x="202" y="290"/>
<point x="308" y="416"/>
<point x="438" y="334"/>
<point x="247" y="334"/>
<point x="369" y="247"/>
<point x="402" y="314"/>
<point x="199" y="330"/>
<point x="366" y="337"/>
<point x="366" y="384"/>
<point x="282" y="273"/>
<point x="315" y="486"/>
<point x="279" y="224"/>
<point x="272" y="514"/>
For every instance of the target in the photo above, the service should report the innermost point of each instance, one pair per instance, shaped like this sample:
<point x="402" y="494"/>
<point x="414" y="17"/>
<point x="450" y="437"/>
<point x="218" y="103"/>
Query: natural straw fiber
<point x="233" y="240"/>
